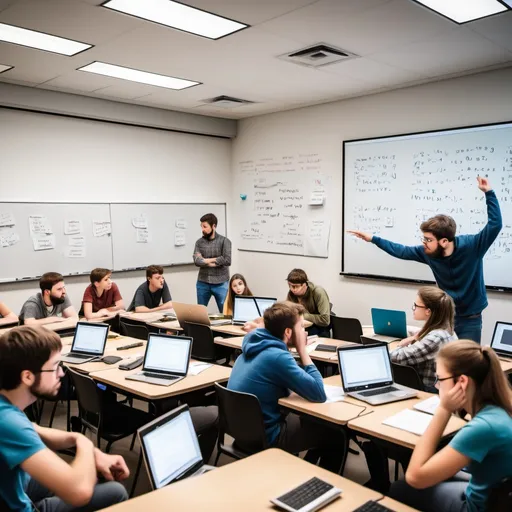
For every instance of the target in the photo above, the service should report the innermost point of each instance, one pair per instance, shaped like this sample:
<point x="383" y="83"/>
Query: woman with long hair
<point x="237" y="286"/>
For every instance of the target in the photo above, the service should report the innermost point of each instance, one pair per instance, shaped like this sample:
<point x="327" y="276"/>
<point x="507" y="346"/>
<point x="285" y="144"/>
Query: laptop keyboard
<point x="159" y="376"/>
<point x="372" y="506"/>
<point x="379" y="391"/>
<point x="305" y="493"/>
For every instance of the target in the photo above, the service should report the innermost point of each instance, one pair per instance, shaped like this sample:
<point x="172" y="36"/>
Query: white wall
<point x="477" y="99"/>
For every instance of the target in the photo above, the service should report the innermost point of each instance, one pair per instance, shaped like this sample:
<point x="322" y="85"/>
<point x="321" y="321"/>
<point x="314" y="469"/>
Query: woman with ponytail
<point x="436" y="308"/>
<point x="469" y="379"/>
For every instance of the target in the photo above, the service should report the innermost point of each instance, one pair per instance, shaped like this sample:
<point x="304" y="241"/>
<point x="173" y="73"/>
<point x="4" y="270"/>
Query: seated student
<point x="150" y="293"/>
<point x="51" y="305"/>
<point x="6" y="315"/>
<point x="237" y="286"/>
<point x="469" y="378"/>
<point x="314" y="299"/>
<point x="32" y="475"/>
<point x="268" y="370"/>
<point x="102" y="296"/>
<point x="436" y="308"/>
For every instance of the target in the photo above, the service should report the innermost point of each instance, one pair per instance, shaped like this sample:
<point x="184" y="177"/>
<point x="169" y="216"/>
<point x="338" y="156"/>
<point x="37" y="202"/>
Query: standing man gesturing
<point x="212" y="254"/>
<point x="456" y="261"/>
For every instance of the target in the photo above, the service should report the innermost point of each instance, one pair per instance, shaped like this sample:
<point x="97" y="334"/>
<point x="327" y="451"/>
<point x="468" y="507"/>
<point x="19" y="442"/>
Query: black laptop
<point x="502" y="339"/>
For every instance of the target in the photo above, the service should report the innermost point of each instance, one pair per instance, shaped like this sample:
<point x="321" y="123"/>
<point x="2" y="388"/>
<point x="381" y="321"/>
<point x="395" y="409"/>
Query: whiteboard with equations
<point x="392" y="184"/>
<point x="287" y="205"/>
<point x="160" y="234"/>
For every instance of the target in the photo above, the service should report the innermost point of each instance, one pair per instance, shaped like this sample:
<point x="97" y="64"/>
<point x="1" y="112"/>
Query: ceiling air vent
<point x="226" y="102"/>
<point x="318" y="55"/>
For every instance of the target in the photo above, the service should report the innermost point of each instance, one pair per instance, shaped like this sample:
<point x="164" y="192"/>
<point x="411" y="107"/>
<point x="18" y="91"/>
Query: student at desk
<point x="102" y="296"/>
<point x="154" y="291"/>
<point x="6" y="315"/>
<point x="237" y="286"/>
<point x="268" y="370"/>
<point x="469" y="378"/>
<point x="32" y="475"/>
<point x="51" y="305"/>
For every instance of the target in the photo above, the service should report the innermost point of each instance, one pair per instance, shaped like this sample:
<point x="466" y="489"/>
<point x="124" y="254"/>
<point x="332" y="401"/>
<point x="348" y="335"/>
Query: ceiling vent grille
<point x="226" y="102"/>
<point x="318" y="55"/>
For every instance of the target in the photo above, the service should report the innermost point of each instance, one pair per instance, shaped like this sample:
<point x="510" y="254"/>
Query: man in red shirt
<point x="102" y="296"/>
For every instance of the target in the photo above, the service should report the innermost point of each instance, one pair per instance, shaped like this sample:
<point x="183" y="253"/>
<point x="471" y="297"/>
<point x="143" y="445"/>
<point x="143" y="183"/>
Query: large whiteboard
<point x="393" y="184"/>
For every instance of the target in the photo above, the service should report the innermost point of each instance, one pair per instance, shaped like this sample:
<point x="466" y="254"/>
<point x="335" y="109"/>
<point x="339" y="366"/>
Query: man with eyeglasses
<point x="32" y="475"/>
<point x="456" y="261"/>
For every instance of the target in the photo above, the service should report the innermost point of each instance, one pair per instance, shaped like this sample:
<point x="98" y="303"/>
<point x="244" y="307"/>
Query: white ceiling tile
<point x="79" y="81"/>
<point x="496" y="28"/>
<point x="5" y="3"/>
<point x="125" y="90"/>
<point x="4" y="77"/>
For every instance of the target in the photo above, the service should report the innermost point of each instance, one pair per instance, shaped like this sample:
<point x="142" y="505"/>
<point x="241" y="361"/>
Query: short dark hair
<point x="98" y="274"/>
<point x="441" y="226"/>
<point x="210" y="218"/>
<point x="49" y="280"/>
<point x="297" y="276"/>
<point x="25" y="348"/>
<point x="154" y="269"/>
<point x="280" y="316"/>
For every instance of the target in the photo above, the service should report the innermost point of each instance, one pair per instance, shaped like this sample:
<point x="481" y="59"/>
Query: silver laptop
<point x="196" y="314"/>
<point x="502" y="339"/>
<point x="166" y="360"/>
<point x="366" y="375"/>
<point x="170" y="448"/>
<point x="246" y="308"/>
<point x="88" y="343"/>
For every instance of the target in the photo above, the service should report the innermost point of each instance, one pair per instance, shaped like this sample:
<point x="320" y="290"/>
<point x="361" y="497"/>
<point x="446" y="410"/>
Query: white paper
<point x="76" y="241"/>
<point x="309" y="348"/>
<point x="317" y="238"/>
<point x="181" y="223"/>
<point x="409" y="420"/>
<point x="197" y="368"/>
<point x="39" y="225"/>
<point x="9" y="238"/>
<point x="429" y="405"/>
<point x="101" y="228"/>
<point x="43" y="242"/>
<point x="72" y="227"/>
<point x="75" y="252"/>
<point x="317" y="197"/>
<point x="140" y="222"/>
<point x="142" y="235"/>
<point x="179" y="238"/>
<point x="7" y="219"/>
<point x="333" y="393"/>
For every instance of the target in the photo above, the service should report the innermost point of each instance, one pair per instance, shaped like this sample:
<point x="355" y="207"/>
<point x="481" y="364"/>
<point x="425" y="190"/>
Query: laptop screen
<point x="171" y="449"/>
<point x="364" y="366"/>
<point x="90" y="338"/>
<point x="167" y="353"/>
<point x="244" y="308"/>
<point x="502" y="338"/>
<point x="264" y="303"/>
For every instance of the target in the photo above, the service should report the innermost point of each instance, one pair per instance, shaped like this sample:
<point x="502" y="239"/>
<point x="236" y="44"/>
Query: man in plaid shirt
<point x="212" y="254"/>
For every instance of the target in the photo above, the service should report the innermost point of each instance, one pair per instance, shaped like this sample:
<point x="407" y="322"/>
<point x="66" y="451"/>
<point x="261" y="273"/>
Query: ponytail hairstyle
<point x="230" y="297"/>
<point x="441" y="307"/>
<point x="465" y="357"/>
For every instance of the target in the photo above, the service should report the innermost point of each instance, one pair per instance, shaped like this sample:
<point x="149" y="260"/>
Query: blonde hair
<point x="442" y="310"/>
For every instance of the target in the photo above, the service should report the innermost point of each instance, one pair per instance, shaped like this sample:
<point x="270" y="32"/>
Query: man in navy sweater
<point x="268" y="370"/>
<point x="456" y="261"/>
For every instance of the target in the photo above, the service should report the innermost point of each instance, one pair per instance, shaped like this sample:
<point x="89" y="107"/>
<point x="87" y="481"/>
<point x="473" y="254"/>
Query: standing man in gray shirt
<point x="51" y="305"/>
<point x="212" y="254"/>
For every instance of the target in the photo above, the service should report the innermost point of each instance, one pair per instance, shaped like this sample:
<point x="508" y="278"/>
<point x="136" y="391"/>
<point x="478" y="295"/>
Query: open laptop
<point x="389" y="325"/>
<point x="366" y="374"/>
<point x="166" y="360"/>
<point x="502" y="339"/>
<point x="196" y="314"/>
<point x="88" y="343"/>
<point x="246" y="308"/>
<point x="170" y="448"/>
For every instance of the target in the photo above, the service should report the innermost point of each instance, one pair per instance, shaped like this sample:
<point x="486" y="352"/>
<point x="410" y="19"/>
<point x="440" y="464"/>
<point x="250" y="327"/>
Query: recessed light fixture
<point x="463" y="11"/>
<point x="179" y="16"/>
<point x="3" y="68"/>
<point x="40" y="40"/>
<point x="135" y="75"/>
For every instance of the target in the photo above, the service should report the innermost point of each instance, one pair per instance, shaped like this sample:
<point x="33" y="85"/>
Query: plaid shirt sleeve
<point x="422" y="351"/>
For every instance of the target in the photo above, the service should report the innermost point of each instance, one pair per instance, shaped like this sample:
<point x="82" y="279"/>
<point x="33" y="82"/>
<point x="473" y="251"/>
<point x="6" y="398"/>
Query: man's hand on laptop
<point x="111" y="467"/>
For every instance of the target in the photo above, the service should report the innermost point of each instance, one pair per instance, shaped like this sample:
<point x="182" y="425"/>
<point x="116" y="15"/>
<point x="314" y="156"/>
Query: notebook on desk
<point x="247" y="308"/>
<point x="88" y="343"/>
<point x="502" y="340"/>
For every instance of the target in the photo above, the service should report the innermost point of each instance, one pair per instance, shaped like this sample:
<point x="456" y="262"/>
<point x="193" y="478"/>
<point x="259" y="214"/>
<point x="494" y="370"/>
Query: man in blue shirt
<point x="456" y="261"/>
<point x="31" y="473"/>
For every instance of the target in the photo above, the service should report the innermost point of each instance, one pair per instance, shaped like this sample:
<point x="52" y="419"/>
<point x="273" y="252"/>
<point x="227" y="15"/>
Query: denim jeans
<point x="469" y="328"/>
<point x="206" y="290"/>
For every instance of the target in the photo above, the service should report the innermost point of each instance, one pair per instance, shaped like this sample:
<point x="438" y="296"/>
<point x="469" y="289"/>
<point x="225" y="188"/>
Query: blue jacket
<point x="461" y="274"/>
<point x="266" y="369"/>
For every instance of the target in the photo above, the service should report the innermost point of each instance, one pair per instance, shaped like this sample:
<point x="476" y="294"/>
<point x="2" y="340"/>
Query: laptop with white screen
<point x="88" y="343"/>
<point x="170" y="448"/>
<point x="366" y="375"/>
<point x="502" y="339"/>
<point x="247" y="308"/>
<point x="166" y="360"/>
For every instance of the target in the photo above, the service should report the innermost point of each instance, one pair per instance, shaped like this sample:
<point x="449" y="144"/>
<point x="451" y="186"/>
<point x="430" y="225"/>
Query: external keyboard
<point x="305" y="494"/>
<point x="380" y="391"/>
<point x="372" y="506"/>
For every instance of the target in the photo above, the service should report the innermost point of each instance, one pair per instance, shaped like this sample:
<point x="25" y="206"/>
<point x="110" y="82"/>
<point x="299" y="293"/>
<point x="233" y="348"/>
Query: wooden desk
<point x="172" y="325"/>
<point x="395" y="505"/>
<point x="68" y="324"/>
<point x="248" y="485"/>
<point x="8" y="326"/>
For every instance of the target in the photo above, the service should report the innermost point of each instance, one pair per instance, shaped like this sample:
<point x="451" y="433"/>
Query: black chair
<point x="407" y="376"/>
<point x="346" y="329"/>
<point x="133" y="329"/>
<point x="203" y="346"/>
<point x="500" y="497"/>
<point x="247" y="429"/>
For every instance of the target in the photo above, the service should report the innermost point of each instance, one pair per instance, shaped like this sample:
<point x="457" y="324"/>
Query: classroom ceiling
<point x="398" y="43"/>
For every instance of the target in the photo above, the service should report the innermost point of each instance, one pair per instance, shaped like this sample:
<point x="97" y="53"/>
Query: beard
<point x="43" y="395"/>
<point x="57" y="301"/>
<point x="208" y="236"/>
<point x="438" y="253"/>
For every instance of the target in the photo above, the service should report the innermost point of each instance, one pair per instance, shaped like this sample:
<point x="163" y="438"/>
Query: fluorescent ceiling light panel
<point x="177" y="15"/>
<point x="462" y="11"/>
<point x="41" y="41"/>
<point x="134" y="75"/>
<point x="3" y="68"/>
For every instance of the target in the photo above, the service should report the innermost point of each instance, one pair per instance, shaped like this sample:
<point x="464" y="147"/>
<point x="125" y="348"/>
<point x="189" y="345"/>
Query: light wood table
<point x="171" y="325"/>
<point x="65" y="325"/>
<point x="396" y="506"/>
<point x="248" y="485"/>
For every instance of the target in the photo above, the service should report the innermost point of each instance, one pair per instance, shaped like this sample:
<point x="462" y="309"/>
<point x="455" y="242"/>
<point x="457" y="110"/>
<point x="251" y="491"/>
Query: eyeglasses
<point x="414" y="306"/>
<point x="427" y="240"/>
<point x="60" y="366"/>
<point x="444" y="378"/>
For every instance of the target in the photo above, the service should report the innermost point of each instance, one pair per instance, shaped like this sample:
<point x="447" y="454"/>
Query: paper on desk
<point x="197" y="368"/>
<point x="334" y="393"/>
<point x="309" y="348"/>
<point x="409" y="420"/>
<point x="429" y="405"/>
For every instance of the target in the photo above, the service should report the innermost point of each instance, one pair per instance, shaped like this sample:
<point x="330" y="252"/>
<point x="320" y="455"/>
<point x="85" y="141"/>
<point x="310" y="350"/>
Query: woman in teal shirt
<point x="469" y="378"/>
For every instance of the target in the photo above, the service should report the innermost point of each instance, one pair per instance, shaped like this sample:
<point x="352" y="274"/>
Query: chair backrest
<point x="203" y="346"/>
<point x="500" y="497"/>
<point x="407" y="376"/>
<point x="240" y="417"/>
<point x="346" y="329"/>
<point x="88" y="396"/>
<point x="133" y="329"/>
